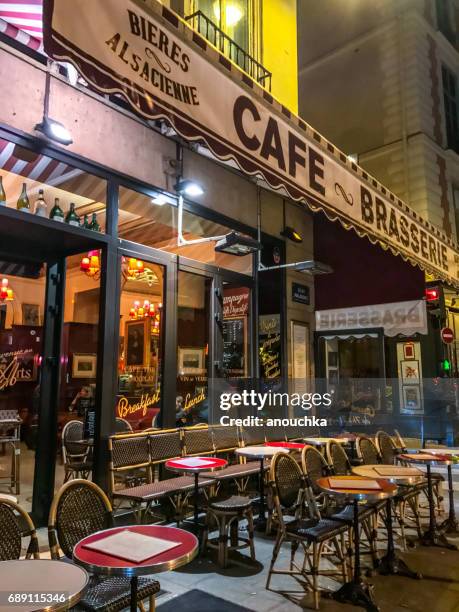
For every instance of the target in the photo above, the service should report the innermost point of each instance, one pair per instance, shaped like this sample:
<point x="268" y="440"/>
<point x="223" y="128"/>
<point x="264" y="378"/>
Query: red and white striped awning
<point x="23" y="21"/>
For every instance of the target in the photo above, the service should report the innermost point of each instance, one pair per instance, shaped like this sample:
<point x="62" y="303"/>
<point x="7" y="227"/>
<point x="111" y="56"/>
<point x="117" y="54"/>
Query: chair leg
<point x="222" y="542"/>
<point x="280" y="538"/>
<point x="152" y="603"/>
<point x="293" y="549"/>
<point x="250" y="531"/>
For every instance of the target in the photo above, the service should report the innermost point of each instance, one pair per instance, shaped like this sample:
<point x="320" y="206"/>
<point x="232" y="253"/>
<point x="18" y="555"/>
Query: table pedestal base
<point x="358" y="594"/>
<point x="436" y="538"/>
<point x="392" y="565"/>
<point x="451" y="526"/>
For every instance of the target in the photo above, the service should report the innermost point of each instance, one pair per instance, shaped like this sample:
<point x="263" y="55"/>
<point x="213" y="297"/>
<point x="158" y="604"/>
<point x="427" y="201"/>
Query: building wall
<point x="108" y="136"/>
<point x="279" y="49"/>
<point x="388" y="106"/>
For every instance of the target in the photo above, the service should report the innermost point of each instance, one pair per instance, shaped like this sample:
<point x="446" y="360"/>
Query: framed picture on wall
<point x="299" y="333"/>
<point x="411" y="399"/>
<point x="410" y="371"/>
<point x="84" y="365"/>
<point x="191" y="360"/>
<point x="30" y="314"/>
<point x="136" y="343"/>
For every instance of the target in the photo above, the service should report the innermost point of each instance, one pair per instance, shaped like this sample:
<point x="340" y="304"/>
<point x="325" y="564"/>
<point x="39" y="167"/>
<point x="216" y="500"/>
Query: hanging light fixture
<point x="147" y="310"/>
<point x="90" y="265"/>
<point x="6" y="293"/>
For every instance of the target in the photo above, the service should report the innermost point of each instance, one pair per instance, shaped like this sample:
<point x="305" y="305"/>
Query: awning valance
<point x="166" y="70"/>
<point x="406" y="318"/>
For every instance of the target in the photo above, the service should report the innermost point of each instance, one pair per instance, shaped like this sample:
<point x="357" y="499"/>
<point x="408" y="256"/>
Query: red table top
<point x="101" y="563"/>
<point x="285" y="444"/>
<point x="196" y="464"/>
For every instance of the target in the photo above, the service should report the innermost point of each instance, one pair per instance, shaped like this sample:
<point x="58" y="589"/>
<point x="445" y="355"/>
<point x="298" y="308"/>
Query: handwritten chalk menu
<point x="234" y="334"/>
<point x="270" y="346"/>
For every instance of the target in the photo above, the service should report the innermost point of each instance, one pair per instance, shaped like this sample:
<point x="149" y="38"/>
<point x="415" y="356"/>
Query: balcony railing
<point x="207" y="28"/>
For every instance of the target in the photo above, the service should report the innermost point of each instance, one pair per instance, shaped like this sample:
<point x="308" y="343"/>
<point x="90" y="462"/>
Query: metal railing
<point x="215" y="35"/>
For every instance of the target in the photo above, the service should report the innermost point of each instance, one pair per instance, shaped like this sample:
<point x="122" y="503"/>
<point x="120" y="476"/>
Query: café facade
<point x="190" y="181"/>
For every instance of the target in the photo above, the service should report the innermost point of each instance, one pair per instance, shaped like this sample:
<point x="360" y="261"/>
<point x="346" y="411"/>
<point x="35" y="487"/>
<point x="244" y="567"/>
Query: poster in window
<point x="135" y="339"/>
<point x="235" y="346"/>
<point x="300" y="356"/>
<point x="269" y="346"/>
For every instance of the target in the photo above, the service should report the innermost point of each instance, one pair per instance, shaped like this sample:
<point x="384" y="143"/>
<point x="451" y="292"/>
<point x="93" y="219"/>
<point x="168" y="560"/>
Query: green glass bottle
<point x="41" y="209"/>
<point x="71" y="217"/>
<point x="56" y="214"/>
<point x="86" y="223"/>
<point x="94" y="225"/>
<point x="23" y="201"/>
<point x="2" y="194"/>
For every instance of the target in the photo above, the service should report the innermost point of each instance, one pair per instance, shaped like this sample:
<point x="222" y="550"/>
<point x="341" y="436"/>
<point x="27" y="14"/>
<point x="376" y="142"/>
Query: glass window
<point x="193" y="317"/>
<point x="142" y="219"/>
<point x="451" y="110"/>
<point x="141" y="345"/>
<point x="22" y="302"/>
<point x="38" y="184"/>
<point x="236" y="331"/>
<point x="80" y="334"/>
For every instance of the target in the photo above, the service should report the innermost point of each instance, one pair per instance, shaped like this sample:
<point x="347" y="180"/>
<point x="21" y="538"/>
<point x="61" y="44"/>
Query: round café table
<point x="434" y="535"/>
<point x="391" y="564"/>
<point x="323" y="441"/>
<point x="195" y="465"/>
<point x="289" y="446"/>
<point x="261" y="453"/>
<point x="357" y="489"/>
<point x="98" y="562"/>
<point x="40" y="585"/>
<point x="449" y="525"/>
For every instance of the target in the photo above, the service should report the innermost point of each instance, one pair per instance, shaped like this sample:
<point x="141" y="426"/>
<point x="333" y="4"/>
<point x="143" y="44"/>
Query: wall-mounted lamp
<point x="52" y="129"/>
<point x="233" y="243"/>
<point x="291" y="234"/>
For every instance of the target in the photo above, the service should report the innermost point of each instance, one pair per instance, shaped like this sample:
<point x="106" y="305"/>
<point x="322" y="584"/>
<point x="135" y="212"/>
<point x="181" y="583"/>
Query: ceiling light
<point x="312" y="267"/>
<point x="235" y="243"/>
<point x="233" y="14"/>
<point x="291" y="234"/>
<point x="54" y="131"/>
<point x="189" y="188"/>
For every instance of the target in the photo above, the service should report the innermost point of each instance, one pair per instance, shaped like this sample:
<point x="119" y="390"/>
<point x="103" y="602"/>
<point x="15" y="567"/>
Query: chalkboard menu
<point x="269" y="346"/>
<point x="234" y="346"/>
<point x="90" y="421"/>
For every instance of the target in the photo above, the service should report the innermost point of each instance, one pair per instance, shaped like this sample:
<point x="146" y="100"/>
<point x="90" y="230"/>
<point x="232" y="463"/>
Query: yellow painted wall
<point x="279" y="53"/>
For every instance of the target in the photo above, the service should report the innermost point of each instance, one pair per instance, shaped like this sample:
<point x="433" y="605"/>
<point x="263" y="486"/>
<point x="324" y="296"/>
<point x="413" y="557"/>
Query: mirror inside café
<point x="22" y="300"/>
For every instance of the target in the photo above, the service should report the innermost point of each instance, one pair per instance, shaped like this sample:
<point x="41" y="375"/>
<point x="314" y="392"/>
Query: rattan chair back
<point x="71" y="433"/>
<point x="122" y="426"/>
<point x="225" y="438"/>
<point x="386" y="447"/>
<point x="15" y="524"/>
<point x="128" y="451"/>
<point x="253" y="435"/>
<point x="337" y="458"/>
<point x="165" y="445"/>
<point x="367" y="451"/>
<point x="314" y="467"/>
<point x="295" y="432"/>
<point x="79" y="509"/>
<point x="275" y="434"/>
<point x="287" y="485"/>
<point x="197" y="441"/>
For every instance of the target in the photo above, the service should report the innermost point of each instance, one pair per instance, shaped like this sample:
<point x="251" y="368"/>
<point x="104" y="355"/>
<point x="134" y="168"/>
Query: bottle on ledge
<point x="71" y="217"/>
<point x="41" y="208"/>
<point x="94" y="225"/>
<point x="56" y="214"/>
<point x="86" y="223"/>
<point x="2" y="194"/>
<point x="23" y="201"/>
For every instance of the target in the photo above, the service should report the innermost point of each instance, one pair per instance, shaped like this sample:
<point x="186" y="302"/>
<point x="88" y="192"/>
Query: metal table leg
<point x="433" y="536"/>
<point x="450" y="525"/>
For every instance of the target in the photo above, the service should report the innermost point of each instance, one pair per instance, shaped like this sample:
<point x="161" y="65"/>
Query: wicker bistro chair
<point x="275" y="434"/>
<point x="80" y="509"/>
<point x="386" y="447"/>
<point x="16" y="524"/>
<point x="340" y="465"/>
<point x="227" y="513"/>
<point x="253" y="436"/>
<point x="369" y="454"/>
<point x="133" y="452"/>
<point x="197" y="441"/>
<point x="122" y="425"/>
<point x="321" y="535"/>
<point x="77" y="457"/>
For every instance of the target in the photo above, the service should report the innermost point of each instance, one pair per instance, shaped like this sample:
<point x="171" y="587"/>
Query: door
<point x="214" y="339"/>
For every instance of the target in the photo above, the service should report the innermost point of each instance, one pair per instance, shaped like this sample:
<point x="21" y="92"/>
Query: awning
<point x="349" y="336"/>
<point x="141" y="49"/>
<point x="22" y="21"/>
<point x="405" y="318"/>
